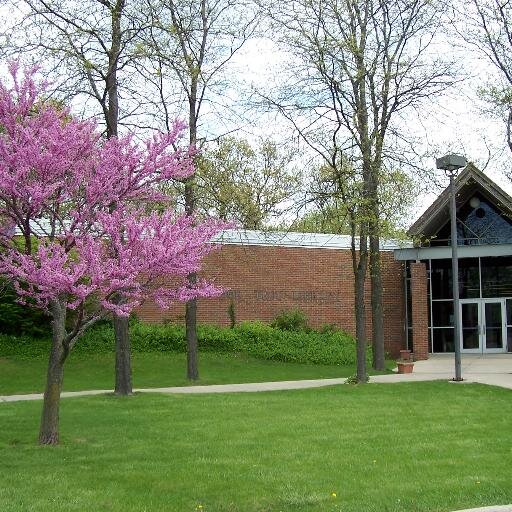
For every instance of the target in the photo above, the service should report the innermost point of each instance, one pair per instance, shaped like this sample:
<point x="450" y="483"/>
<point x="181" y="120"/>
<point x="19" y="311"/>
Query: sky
<point x="456" y="122"/>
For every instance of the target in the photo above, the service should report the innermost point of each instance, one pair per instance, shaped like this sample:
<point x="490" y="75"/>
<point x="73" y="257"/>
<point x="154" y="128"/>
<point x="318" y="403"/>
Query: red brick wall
<point x="264" y="280"/>
<point x="419" y="310"/>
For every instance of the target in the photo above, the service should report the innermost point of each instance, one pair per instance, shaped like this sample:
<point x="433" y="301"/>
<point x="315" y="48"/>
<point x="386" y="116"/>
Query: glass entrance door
<point x="470" y="332"/>
<point x="483" y="325"/>
<point x="494" y="328"/>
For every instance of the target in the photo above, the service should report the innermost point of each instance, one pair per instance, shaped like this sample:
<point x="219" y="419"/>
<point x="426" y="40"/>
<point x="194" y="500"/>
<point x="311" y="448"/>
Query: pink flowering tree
<point x="62" y="243"/>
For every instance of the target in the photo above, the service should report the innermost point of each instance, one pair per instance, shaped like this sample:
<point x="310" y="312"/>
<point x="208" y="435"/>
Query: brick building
<point x="265" y="273"/>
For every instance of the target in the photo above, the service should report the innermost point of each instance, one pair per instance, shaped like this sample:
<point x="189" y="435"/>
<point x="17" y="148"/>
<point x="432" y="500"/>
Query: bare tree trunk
<point x="49" y="428"/>
<point x="379" y="362"/>
<point x="190" y="206"/>
<point x="191" y="306"/>
<point x="123" y="357"/>
<point x="359" y="265"/>
<point x="123" y="370"/>
<point x="191" y="332"/>
<point x="360" y="309"/>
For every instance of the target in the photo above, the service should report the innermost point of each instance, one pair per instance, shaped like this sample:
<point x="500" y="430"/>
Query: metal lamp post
<point x="451" y="164"/>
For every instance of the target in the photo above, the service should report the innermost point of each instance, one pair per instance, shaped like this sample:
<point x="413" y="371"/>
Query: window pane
<point x="443" y="340"/>
<point x="493" y="325"/>
<point x="509" y="339"/>
<point x="441" y="276"/>
<point x="497" y="277"/>
<point x="469" y="278"/>
<point x="509" y="312"/>
<point x="442" y="313"/>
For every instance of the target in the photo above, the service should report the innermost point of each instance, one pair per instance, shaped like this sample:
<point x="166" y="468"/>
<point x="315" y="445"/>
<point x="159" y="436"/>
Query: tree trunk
<point x="359" y="263"/>
<point x="123" y="377"/>
<point x="49" y="429"/>
<point x="123" y="356"/>
<point x="191" y="333"/>
<point x="379" y="362"/>
<point x="190" y="206"/>
<point x="360" y="311"/>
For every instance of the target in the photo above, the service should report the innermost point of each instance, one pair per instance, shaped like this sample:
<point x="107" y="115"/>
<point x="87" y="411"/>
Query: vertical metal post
<point x="455" y="280"/>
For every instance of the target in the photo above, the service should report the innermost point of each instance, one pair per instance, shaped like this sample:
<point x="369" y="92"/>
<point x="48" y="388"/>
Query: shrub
<point x="291" y="320"/>
<point x="17" y="319"/>
<point x="23" y="346"/>
<point x="256" y="339"/>
<point x="300" y="347"/>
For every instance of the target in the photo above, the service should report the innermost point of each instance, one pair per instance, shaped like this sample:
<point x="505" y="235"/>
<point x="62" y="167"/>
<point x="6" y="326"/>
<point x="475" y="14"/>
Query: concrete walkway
<point x="495" y="508"/>
<point x="252" y="387"/>
<point x="495" y="370"/>
<point x="492" y="369"/>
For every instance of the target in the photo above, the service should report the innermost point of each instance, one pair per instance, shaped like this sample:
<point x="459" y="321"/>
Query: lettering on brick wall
<point x="294" y="296"/>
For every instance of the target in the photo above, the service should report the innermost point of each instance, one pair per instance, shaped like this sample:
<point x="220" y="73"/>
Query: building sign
<point x="284" y="296"/>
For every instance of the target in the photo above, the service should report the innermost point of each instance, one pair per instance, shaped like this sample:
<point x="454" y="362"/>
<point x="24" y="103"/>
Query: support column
<point x="419" y="300"/>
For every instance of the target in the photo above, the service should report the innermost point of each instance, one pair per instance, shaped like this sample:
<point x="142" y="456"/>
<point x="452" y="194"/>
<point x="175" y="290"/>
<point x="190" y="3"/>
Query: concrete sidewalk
<point x="252" y="387"/>
<point x="494" y="508"/>
<point x="494" y="370"/>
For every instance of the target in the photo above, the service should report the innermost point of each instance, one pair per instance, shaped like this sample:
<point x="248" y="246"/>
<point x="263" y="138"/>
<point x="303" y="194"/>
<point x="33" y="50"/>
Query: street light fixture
<point x="451" y="164"/>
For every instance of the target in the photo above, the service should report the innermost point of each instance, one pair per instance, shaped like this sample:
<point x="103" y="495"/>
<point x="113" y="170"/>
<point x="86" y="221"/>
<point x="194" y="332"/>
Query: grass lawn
<point x="96" y="371"/>
<point x="397" y="447"/>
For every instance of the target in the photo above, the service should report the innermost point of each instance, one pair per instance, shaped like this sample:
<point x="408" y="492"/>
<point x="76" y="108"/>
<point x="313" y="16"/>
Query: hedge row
<point x="253" y="338"/>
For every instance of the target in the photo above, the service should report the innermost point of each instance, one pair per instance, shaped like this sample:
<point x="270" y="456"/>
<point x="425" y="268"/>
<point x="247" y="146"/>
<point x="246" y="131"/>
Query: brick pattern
<point x="419" y="310"/>
<point x="264" y="280"/>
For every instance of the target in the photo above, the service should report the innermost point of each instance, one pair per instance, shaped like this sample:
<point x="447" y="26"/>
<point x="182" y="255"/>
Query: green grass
<point x="380" y="448"/>
<point x="159" y="369"/>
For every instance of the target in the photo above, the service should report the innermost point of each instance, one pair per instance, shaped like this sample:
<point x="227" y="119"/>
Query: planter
<point x="405" y="355"/>
<point x="405" y="366"/>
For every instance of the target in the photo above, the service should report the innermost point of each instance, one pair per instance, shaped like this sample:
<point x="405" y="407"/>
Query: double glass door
<point x="483" y="325"/>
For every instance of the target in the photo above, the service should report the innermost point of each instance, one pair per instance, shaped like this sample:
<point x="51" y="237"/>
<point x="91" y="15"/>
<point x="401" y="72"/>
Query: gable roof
<point x="469" y="181"/>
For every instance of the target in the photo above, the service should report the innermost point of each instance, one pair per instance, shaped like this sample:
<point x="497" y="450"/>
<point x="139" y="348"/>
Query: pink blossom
<point x="73" y="210"/>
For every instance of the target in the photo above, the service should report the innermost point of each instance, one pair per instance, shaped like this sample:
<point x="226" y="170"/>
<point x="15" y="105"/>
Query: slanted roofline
<point x="437" y="214"/>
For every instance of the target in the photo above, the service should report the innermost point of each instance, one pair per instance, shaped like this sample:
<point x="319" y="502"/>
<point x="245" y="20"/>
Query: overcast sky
<point x="455" y="123"/>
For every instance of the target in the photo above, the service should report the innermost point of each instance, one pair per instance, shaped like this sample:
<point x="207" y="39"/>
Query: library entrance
<point x="484" y="237"/>
<point x="483" y="326"/>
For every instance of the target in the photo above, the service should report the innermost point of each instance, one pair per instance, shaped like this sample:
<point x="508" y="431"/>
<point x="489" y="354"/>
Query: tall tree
<point x="251" y="186"/>
<point x="189" y="47"/>
<point x="85" y="47"/>
<point x="358" y="65"/>
<point x="328" y="212"/>
<point x="490" y="31"/>
<point x="62" y="244"/>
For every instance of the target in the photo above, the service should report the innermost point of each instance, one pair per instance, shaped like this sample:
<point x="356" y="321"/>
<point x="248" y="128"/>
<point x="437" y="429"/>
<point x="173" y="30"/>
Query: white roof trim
<point x="294" y="239"/>
<point x="445" y="252"/>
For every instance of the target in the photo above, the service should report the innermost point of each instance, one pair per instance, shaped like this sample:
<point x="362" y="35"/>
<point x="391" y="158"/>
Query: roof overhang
<point x="463" y="251"/>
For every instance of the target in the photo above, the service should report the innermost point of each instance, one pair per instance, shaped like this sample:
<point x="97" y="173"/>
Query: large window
<point x="478" y="278"/>
<point x="497" y="277"/>
<point x="441" y="278"/>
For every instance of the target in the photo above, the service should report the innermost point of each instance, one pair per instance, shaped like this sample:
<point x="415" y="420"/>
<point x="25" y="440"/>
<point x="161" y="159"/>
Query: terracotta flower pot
<point x="405" y="366"/>
<point x="405" y="355"/>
